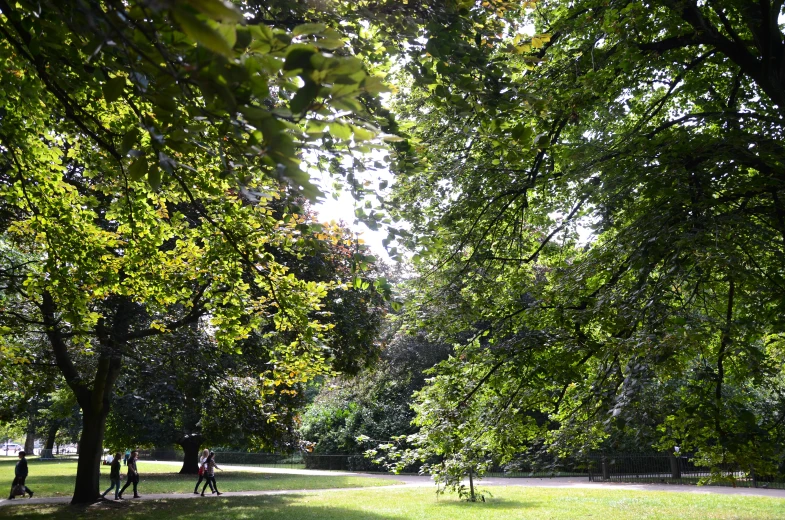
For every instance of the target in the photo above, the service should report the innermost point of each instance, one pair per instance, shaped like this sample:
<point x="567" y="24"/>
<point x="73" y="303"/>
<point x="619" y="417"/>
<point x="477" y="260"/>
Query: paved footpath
<point x="423" y="481"/>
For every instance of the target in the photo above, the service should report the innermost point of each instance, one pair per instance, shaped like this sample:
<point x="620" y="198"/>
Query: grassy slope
<point x="510" y="503"/>
<point x="49" y="479"/>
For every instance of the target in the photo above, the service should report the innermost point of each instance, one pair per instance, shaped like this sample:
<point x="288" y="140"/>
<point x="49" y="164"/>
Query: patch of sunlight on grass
<point x="512" y="502"/>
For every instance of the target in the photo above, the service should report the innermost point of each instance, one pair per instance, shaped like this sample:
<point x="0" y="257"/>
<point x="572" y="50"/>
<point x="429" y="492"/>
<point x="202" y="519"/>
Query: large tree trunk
<point x="30" y="438"/>
<point x="90" y="451"/>
<point x="51" y="434"/>
<point x="190" y="447"/>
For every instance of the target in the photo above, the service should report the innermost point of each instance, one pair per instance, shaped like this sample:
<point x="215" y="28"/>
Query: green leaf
<point x="229" y="33"/>
<point x="138" y="168"/>
<point x="154" y="177"/>
<point x="330" y="43"/>
<point x="299" y="58"/>
<point x="304" y="97"/>
<point x="129" y="140"/>
<point x="522" y="133"/>
<point x="340" y="131"/>
<point x="201" y="32"/>
<point x="542" y="140"/>
<point x="221" y="10"/>
<point x="344" y="66"/>
<point x="113" y="88"/>
<point x="309" y="28"/>
<point x="363" y="134"/>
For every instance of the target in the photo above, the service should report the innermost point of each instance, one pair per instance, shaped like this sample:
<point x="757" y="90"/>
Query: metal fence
<point x="657" y="468"/>
<point x="661" y="468"/>
<point x="293" y="460"/>
<point x="542" y="465"/>
<point x="57" y="455"/>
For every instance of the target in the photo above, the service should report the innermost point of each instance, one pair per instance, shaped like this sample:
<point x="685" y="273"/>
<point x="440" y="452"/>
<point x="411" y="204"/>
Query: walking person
<point x="114" y="477"/>
<point x="202" y="460"/>
<point x="209" y="471"/>
<point x="20" y="474"/>
<point x="127" y="455"/>
<point x="133" y="475"/>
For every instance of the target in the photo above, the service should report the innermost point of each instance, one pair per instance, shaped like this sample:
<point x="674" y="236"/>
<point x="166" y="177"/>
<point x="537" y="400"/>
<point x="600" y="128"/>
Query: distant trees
<point x="376" y="403"/>
<point x="183" y="390"/>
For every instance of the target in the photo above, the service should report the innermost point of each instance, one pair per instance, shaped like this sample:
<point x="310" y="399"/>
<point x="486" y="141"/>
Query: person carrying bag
<point x="202" y="460"/>
<point x="20" y="475"/>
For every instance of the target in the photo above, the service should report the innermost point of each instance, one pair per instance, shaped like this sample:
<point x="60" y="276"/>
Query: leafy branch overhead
<point x="156" y="85"/>
<point x="594" y="194"/>
<point x="145" y="150"/>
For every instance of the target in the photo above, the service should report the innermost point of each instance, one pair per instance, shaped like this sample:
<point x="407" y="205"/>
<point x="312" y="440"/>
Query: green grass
<point x="56" y="479"/>
<point x="513" y="503"/>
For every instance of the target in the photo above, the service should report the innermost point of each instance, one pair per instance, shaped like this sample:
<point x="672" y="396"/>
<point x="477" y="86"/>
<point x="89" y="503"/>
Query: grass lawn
<point x="54" y="479"/>
<point x="508" y="503"/>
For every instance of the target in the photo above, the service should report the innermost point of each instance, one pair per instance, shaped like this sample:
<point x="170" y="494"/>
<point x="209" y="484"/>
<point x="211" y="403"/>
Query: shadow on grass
<point x="496" y="504"/>
<point x="267" y="507"/>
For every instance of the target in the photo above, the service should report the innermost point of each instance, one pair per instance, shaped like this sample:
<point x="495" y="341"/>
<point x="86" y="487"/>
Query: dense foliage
<point x="593" y="189"/>
<point x="184" y="390"/>
<point x="141" y="146"/>
<point x="595" y="192"/>
<point x="376" y="403"/>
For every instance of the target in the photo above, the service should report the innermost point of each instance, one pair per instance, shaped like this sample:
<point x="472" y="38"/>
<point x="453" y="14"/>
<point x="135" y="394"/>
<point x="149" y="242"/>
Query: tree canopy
<point x="594" y="191"/>
<point x="141" y="147"/>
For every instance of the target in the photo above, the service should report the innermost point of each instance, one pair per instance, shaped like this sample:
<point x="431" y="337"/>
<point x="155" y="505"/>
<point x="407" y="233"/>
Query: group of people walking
<point x="114" y="475"/>
<point x="207" y="467"/>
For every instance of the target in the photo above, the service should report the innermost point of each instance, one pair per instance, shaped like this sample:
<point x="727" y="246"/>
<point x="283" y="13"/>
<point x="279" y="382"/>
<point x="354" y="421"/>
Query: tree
<point x="218" y="397"/>
<point x="376" y="403"/>
<point x="657" y="129"/>
<point x="213" y="113"/>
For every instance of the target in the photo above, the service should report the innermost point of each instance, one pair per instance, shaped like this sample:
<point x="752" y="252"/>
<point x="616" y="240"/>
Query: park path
<point x="409" y="481"/>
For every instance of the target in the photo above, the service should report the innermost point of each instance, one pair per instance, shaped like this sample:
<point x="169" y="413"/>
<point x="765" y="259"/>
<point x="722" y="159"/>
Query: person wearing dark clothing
<point x="127" y="455"/>
<point x="20" y="475"/>
<point x="209" y="473"/>
<point x="114" y="477"/>
<point x="133" y="475"/>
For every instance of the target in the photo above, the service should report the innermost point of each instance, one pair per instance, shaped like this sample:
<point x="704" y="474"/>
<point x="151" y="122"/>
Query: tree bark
<point x="725" y="341"/>
<point x="30" y="438"/>
<point x="51" y="434"/>
<point x="190" y="447"/>
<point x="91" y="440"/>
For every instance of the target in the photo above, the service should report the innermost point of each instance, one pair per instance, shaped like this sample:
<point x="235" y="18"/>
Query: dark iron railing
<point x="57" y="455"/>
<point x="293" y="460"/>
<point x="541" y="466"/>
<point x="659" y="468"/>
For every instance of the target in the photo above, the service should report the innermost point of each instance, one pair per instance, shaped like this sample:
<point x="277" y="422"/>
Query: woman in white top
<point x="202" y="460"/>
<point x="209" y="474"/>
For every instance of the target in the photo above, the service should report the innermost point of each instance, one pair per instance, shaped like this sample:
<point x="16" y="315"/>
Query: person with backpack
<point x="114" y="477"/>
<point x="209" y="471"/>
<point x="20" y="475"/>
<point x="133" y="475"/>
<point x="202" y="460"/>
